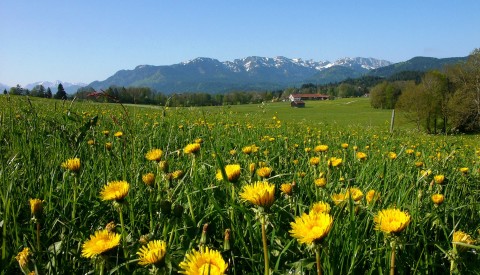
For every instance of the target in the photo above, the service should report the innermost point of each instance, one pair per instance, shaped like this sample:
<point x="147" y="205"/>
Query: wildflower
<point x="108" y="145"/>
<point x="463" y="170"/>
<point x="301" y="174"/>
<point x="199" y="140"/>
<point x="409" y="151"/>
<point x="437" y="199"/>
<point x="462" y="237"/>
<point x="338" y="198"/>
<point x="321" y="148"/>
<point x="320" y="207"/>
<point x="36" y="207"/>
<point x="314" y="160"/>
<point x="205" y="261"/>
<point x="251" y="167"/>
<point x="118" y="134"/>
<point x="99" y="243"/>
<point x="307" y="149"/>
<point x="72" y="165"/>
<point x="391" y="220"/>
<point x="260" y="193"/>
<point x="439" y="179"/>
<point x="177" y="174"/>
<point x="105" y="132"/>
<point x="264" y="172"/>
<point x="355" y="148"/>
<point x="372" y="196"/>
<point x="152" y="253"/>
<point x="148" y="179"/>
<point x="418" y="164"/>
<point x="354" y="193"/>
<point x="311" y="228"/>
<point x="163" y="165"/>
<point x="91" y="142"/>
<point x="344" y="145"/>
<point x="233" y="152"/>
<point x="287" y="188"/>
<point x="115" y="190"/>
<point x="361" y="156"/>
<point x="334" y="162"/>
<point x="192" y="148"/>
<point x="321" y="182"/>
<point x="392" y="155"/>
<point x="232" y="172"/>
<point x="154" y="154"/>
<point x="23" y="257"/>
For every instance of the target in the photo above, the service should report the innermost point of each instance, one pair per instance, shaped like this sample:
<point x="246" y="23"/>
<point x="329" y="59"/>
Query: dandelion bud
<point x="226" y="242"/>
<point x="203" y="239"/>
<point x="163" y="165"/>
<point x="110" y="227"/>
<point x="36" y="207"/>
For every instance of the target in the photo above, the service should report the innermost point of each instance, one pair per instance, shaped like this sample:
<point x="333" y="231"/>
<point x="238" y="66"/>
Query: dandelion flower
<point x="311" y="228"/>
<point x="354" y="193"/>
<point x="392" y="155"/>
<point x="391" y="220"/>
<point x="106" y="132"/>
<point x="321" y="148"/>
<point x="118" y="134"/>
<point x="163" y="165"/>
<point x="192" y="148"/>
<point x="260" y="193"/>
<point x="314" y="161"/>
<point x="372" y="196"/>
<point x="154" y="154"/>
<point x="463" y="170"/>
<point x="334" y="162"/>
<point x="462" y="237"/>
<point x="148" y="179"/>
<point x="419" y="164"/>
<point x="320" y="182"/>
<point x="152" y="253"/>
<point x="232" y="171"/>
<point x="287" y="188"/>
<point x="361" y="156"/>
<point x="108" y="145"/>
<point x="177" y="174"/>
<point x="99" y="243"/>
<point x="344" y="145"/>
<point x="437" y="199"/>
<point x="36" y="207"/>
<point x="338" y="198"/>
<point x="320" y="207"/>
<point x="205" y="261"/>
<point x="409" y="151"/>
<point x="23" y="257"/>
<point x="72" y="165"/>
<point x="115" y="190"/>
<point x="439" y="179"/>
<point x="264" y="172"/>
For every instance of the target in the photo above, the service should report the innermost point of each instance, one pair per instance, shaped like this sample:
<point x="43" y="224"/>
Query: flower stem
<point x="38" y="236"/>
<point x="392" y="258"/>
<point x="120" y="211"/>
<point x="265" y="247"/>
<point x="74" y="210"/>
<point x="317" y="257"/>
<point x="191" y="207"/>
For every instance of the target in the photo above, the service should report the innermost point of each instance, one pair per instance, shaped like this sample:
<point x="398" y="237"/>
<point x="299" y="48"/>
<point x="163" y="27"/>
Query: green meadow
<point x="190" y="203"/>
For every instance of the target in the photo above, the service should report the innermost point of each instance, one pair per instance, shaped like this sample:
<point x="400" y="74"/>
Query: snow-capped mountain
<point x="253" y="72"/>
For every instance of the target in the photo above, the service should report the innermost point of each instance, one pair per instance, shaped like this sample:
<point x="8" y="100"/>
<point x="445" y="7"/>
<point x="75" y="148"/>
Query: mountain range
<point x="251" y="73"/>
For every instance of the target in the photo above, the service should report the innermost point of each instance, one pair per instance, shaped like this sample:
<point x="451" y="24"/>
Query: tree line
<point x="38" y="91"/>
<point x="446" y="101"/>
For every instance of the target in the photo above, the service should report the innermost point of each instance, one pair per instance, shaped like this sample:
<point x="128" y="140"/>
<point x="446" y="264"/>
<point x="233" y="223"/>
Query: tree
<point x="48" y="94"/>
<point x="5" y="91"/>
<point x="61" y="94"/>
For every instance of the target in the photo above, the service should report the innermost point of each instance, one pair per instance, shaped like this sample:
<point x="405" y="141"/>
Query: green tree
<point x="5" y="91"/>
<point x="61" y="94"/>
<point x="48" y="94"/>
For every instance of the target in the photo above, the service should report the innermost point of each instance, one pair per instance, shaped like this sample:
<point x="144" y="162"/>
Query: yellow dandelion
<point x="177" y="174"/>
<point x="314" y="160"/>
<point x="163" y="165"/>
<point x="409" y="151"/>
<point x="199" y="140"/>
<point x="321" y="148"/>
<point x="154" y="155"/>
<point x="287" y="188"/>
<point x="99" y="243"/>
<point x="311" y="228"/>
<point x="105" y="132"/>
<point x="152" y="253"/>
<point x="391" y="220"/>
<point x="192" y="148"/>
<point x="437" y="199"/>
<point x="419" y="164"/>
<point x="463" y="170"/>
<point x="23" y="257"/>
<point x="205" y="261"/>
<point x="91" y="142"/>
<point x="115" y="190"/>
<point x="338" y="198"/>
<point x="118" y="134"/>
<point x="355" y="148"/>
<point x="264" y="172"/>
<point x="334" y="162"/>
<point x="72" y="165"/>
<point x="232" y="172"/>
<point x="462" y="237"/>
<point x="307" y="149"/>
<point x="233" y="152"/>
<point x="361" y="156"/>
<point x="252" y="167"/>
<point x="260" y="193"/>
<point x="36" y="207"/>
<point x="372" y="196"/>
<point x="344" y="145"/>
<point x="320" y="207"/>
<point x="439" y="179"/>
<point x="108" y="145"/>
<point x="320" y="182"/>
<point x="354" y="193"/>
<point x="392" y="155"/>
<point x="148" y="179"/>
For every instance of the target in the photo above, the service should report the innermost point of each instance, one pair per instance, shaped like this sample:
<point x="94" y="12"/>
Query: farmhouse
<point x="296" y="97"/>
<point x="297" y="103"/>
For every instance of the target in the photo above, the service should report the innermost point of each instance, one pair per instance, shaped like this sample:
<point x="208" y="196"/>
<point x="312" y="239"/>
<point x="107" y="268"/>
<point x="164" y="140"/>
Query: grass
<point x="39" y="135"/>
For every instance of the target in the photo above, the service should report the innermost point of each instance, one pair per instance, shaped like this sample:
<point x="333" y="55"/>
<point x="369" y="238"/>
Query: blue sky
<point x="83" y="41"/>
